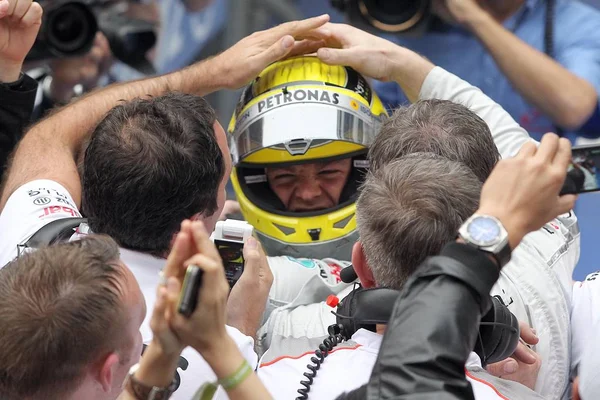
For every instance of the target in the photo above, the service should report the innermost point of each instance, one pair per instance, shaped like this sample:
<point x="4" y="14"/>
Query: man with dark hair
<point x="149" y="164"/>
<point x="166" y="147"/>
<point x="71" y="316"/>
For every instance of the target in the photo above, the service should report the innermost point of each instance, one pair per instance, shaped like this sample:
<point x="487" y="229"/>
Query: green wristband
<point x="237" y="377"/>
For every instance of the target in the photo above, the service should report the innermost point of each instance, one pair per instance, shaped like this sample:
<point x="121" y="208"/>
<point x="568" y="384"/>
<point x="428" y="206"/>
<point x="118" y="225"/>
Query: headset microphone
<point x="348" y="274"/>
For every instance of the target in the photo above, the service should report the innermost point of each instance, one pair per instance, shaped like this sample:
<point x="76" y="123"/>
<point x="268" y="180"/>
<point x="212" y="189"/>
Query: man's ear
<point x="359" y="262"/>
<point x="106" y="374"/>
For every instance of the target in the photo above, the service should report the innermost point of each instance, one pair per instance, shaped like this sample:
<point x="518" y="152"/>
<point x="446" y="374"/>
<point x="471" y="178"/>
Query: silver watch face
<point x="484" y="231"/>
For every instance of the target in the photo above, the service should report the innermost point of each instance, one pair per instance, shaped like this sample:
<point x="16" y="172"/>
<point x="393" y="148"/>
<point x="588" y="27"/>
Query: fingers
<point x="528" y="333"/>
<point x="547" y="149"/>
<point x="306" y="47"/>
<point x="4" y="8"/>
<point x="12" y="4"/>
<point x="295" y="28"/>
<point x="160" y="307"/>
<point x="565" y="203"/>
<point x="33" y="16"/>
<point x="527" y="150"/>
<point x="21" y="7"/>
<point x="172" y="290"/>
<point x="251" y="249"/>
<point x="277" y="51"/>
<point x="181" y="250"/>
<point x="214" y="284"/>
<point x="203" y="242"/>
<point x="524" y="354"/>
<point x="339" y="56"/>
<point x="504" y="367"/>
<point x="563" y="155"/>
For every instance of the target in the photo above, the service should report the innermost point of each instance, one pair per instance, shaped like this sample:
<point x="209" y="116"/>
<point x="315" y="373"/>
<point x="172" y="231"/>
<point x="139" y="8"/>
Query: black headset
<point x="364" y="308"/>
<point x="497" y="339"/>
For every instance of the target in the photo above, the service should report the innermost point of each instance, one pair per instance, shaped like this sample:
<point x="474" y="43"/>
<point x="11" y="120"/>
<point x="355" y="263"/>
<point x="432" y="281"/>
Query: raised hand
<point x="523" y="192"/>
<point x="20" y="22"/>
<point x="247" y="58"/>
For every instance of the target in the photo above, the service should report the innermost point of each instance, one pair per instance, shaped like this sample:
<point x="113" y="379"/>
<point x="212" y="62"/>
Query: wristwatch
<point x="142" y="391"/>
<point x="487" y="234"/>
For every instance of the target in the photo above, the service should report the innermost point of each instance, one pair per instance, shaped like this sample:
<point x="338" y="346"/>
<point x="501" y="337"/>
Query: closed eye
<point x="329" y="172"/>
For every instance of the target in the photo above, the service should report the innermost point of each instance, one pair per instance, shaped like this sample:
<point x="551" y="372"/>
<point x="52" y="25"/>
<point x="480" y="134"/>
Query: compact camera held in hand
<point x="229" y="237"/>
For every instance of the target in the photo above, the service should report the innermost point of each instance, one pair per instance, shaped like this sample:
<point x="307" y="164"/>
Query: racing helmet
<point x="297" y="111"/>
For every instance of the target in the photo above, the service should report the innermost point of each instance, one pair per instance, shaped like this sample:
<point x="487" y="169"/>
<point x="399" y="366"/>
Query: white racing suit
<point x="536" y="285"/>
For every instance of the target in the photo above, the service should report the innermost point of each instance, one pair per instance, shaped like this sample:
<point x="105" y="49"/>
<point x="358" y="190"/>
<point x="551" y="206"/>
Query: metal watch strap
<point x="143" y="392"/>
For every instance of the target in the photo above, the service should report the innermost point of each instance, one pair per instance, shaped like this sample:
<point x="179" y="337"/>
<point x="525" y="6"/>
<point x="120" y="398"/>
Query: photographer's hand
<point x="85" y="70"/>
<point x="457" y="12"/>
<point x="20" y="21"/>
<point x="522" y="192"/>
<point x="248" y="298"/>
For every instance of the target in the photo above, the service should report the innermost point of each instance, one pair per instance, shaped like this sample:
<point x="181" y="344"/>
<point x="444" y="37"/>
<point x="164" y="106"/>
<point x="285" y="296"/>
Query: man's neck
<point x="501" y="9"/>
<point x="85" y="391"/>
<point x="380" y="329"/>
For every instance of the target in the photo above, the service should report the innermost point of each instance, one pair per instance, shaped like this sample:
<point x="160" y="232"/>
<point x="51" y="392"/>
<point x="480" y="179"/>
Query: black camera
<point x="69" y="28"/>
<point x="389" y="16"/>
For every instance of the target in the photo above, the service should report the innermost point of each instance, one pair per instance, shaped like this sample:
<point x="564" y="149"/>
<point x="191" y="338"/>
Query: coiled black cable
<point x="336" y="336"/>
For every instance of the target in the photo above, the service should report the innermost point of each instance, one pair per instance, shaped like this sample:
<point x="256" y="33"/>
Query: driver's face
<point x="310" y="187"/>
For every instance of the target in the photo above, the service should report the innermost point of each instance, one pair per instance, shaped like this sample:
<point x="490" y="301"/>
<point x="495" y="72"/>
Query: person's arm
<point x="18" y="29"/>
<point x="436" y="318"/>
<point x="50" y="149"/>
<point x="204" y="330"/>
<point x="419" y="79"/>
<point x="565" y="97"/>
<point x="420" y="360"/>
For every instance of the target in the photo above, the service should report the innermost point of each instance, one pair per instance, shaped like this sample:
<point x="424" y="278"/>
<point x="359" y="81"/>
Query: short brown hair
<point x="441" y="127"/>
<point x="409" y="209"/>
<point x="61" y="307"/>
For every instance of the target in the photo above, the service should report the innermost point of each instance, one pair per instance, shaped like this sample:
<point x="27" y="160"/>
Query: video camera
<point x="69" y="28"/>
<point x="389" y="16"/>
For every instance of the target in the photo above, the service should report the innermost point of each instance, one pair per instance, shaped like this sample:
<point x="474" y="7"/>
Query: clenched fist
<point x="20" y="22"/>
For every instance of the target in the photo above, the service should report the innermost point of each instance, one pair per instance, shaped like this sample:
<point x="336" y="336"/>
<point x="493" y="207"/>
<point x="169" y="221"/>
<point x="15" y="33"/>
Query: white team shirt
<point x="536" y="285"/>
<point x="585" y="318"/>
<point x="39" y="202"/>
<point x="349" y="366"/>
<point x="585" y="322"/>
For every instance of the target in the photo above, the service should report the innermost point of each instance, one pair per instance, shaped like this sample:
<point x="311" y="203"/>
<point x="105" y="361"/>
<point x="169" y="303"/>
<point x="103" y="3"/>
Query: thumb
<point x="565" y="204"/>
<point x="338" y="56"/>
<point x="504" y="367"/>
<point x="251" y="254"/>
<point x="277" y="51"/>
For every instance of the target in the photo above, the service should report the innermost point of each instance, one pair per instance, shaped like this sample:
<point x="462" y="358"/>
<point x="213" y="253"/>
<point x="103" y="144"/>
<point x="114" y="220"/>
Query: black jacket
<point x="433" y="329"/>
<point x="16" y="105"/>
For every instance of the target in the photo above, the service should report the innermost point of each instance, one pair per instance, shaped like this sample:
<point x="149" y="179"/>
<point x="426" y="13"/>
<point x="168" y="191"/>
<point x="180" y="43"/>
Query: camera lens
<point x="70" y="28"/>
<point x="393" y="15"/>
